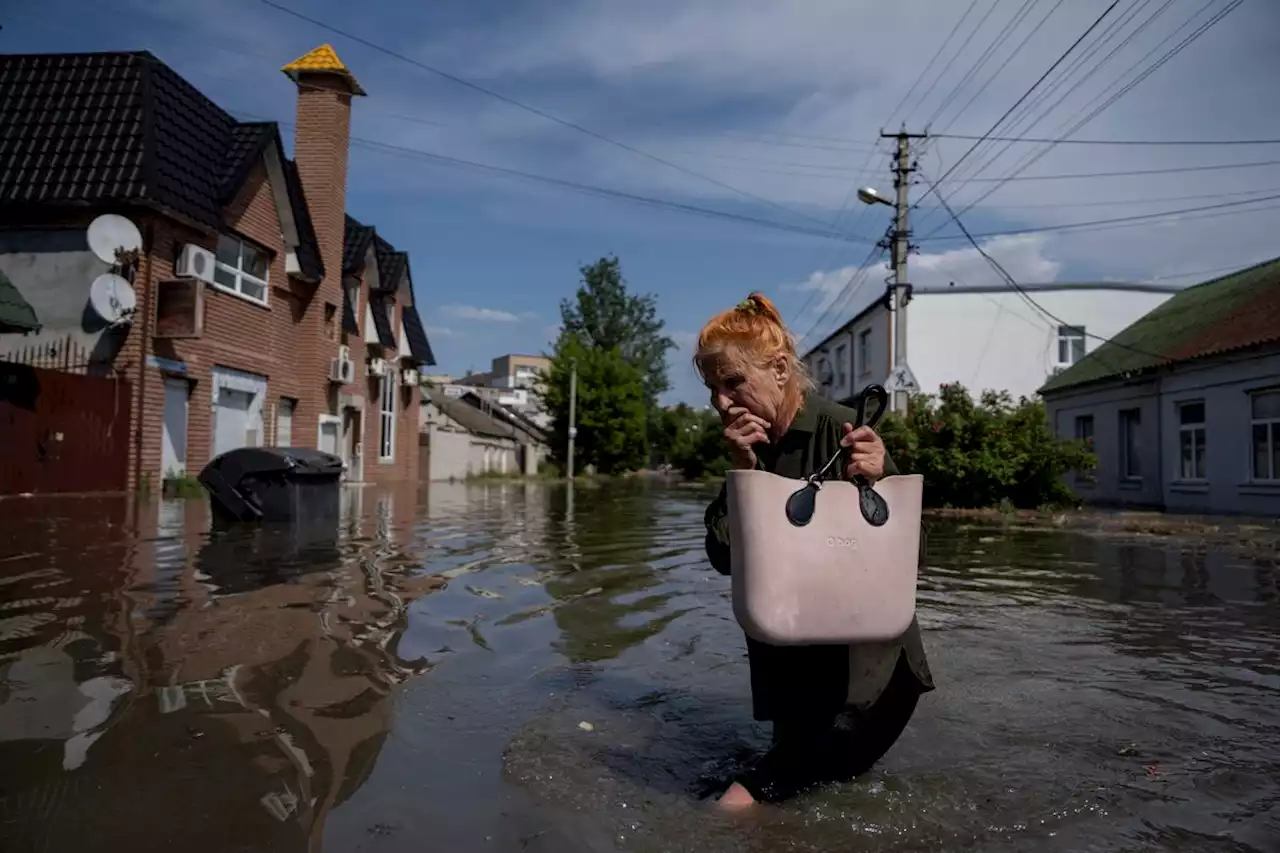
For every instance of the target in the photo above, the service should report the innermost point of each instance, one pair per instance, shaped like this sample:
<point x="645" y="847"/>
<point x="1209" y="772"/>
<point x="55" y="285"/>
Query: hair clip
<point x="749" y="305"/>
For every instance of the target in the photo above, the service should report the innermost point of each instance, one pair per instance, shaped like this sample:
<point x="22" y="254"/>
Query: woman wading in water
<point x="836" y="710"/>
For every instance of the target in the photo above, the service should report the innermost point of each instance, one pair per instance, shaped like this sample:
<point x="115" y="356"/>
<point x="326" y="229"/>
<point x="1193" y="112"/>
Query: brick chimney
<point x="322" y="138"/>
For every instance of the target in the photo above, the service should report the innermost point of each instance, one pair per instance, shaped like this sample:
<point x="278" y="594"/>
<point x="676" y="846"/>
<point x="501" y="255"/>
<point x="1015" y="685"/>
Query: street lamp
<point x="868" y="195"/>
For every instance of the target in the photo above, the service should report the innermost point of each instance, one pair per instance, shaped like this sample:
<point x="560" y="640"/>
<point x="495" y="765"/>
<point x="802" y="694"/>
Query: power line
<point x="1173" y="170"/>
<point x="943" y="71"/>
<point x="1009" y="279"/>
<point x="848" y="290"/>
<point x="453" y="78"/>
<point x="936" y="55"/>
<point x="1127" y="201"/>
<point x="1066" y="141"/>
<point x="1025" y="40"/>
<point x="589" y="189"/>
<point x="1025" y="94"/>
<point x="1201" y="30"/>
<point x="1114" y="29"/>
<point x="1140" y="217"/>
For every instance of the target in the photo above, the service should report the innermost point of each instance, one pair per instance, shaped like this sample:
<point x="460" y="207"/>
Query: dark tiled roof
<point x="248" y="141"/>
<point x="97" y="129"/>
<point x="419" y="346"/>
<point x="1234" y="312"/>
<point x="378" y="304"/>
<point x="309" y="259"/>
<point x="355" y="242"/>
<point x="59" y="114"/>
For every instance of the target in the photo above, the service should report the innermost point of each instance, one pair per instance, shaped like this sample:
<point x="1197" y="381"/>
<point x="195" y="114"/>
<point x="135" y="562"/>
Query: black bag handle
<point x="802" y="503"/>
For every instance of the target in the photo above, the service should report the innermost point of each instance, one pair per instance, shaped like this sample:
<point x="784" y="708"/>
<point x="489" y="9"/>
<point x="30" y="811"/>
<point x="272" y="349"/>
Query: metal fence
<point x="65" y="356"/>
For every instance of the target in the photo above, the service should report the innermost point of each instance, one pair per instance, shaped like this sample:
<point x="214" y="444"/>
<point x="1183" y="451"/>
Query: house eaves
<point x="1228" y="314"/>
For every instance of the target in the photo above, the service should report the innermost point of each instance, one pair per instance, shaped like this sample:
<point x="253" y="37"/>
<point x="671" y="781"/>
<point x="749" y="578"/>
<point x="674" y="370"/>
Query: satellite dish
<point x="110" y="232"/>
<point x="112" y="298"/>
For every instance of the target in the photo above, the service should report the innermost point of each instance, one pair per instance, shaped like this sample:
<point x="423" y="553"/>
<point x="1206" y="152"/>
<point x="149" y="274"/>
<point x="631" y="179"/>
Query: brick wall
<point x="238" y="334"/>
<point x="321" y="140"/>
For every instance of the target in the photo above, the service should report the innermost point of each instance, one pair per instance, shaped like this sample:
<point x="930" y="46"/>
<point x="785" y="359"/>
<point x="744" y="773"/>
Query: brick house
<point x="304" y="332"/>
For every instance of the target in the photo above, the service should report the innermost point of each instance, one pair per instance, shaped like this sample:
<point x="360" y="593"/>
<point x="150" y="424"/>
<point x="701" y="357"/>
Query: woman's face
<point x="737" y="382"/>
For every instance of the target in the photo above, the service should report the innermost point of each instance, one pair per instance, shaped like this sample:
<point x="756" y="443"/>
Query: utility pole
<point x="573" y="415"/>
<point x="901" y="381"/>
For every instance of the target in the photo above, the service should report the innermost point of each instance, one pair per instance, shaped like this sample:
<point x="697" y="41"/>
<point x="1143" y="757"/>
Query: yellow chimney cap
<point x="324" y="59"/>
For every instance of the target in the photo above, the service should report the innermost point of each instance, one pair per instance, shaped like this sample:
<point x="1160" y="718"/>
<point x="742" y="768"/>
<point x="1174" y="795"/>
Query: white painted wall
<point x="986" y="338"/>
<point x="858" y="371"/>
<point x="997" y="341"/>
<point x="1223" y="385"/>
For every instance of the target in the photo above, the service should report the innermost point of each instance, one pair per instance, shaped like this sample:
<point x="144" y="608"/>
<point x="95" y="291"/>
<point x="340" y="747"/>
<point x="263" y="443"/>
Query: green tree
<point x="605" y="315"/>
<point x="610" y="406"/>
<point x="986" y="452"/>
<point x="691" y="441"/>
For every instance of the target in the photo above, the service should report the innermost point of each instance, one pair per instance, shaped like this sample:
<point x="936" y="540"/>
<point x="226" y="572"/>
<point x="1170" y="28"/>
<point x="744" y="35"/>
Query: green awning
<point x="16" y="314"/>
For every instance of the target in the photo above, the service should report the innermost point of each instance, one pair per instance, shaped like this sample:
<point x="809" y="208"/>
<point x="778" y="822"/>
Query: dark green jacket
<point x="789" y="682"/>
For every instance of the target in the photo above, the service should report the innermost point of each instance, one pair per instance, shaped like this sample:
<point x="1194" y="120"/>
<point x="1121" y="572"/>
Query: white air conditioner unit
<point x="409" y="378"/>
<point x="377" y="367"/>
<point x="195" y="262"/>
<point x="342" y="370"/>
<point x="344" y="352"/>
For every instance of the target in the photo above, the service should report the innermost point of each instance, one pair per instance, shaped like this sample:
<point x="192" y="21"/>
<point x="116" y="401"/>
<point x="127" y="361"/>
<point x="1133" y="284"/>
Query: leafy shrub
<point x="992" y="452"/>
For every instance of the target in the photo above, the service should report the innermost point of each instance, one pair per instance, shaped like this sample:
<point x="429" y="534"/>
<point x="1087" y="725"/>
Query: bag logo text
<point x="841" y="542"/>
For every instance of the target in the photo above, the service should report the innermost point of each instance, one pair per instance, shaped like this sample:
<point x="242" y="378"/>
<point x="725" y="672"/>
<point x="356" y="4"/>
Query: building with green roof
<point x="1183" y="405"/>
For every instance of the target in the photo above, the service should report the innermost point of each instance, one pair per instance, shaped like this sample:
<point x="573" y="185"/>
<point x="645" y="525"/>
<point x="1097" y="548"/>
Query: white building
<point x="983" y="337"/>
<point x="464" y="435"/>
<point x="1183" y="407"/>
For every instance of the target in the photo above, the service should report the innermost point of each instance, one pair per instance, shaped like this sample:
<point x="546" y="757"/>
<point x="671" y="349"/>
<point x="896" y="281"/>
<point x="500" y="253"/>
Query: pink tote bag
<point x="824" y="562"/>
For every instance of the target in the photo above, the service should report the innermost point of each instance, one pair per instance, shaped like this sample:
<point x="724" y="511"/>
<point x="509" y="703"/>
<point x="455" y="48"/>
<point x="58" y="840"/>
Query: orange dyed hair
<point x="752" y="330"/>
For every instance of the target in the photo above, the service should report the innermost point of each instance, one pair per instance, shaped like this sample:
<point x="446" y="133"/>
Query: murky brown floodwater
<point x="420" y="684"/>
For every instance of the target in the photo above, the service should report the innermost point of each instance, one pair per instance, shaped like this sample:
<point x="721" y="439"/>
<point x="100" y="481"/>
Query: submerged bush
<point x="986" y="453"/>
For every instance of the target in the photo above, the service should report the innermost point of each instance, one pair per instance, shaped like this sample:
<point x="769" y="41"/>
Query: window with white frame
<point x="1070" y="345"/>
<point x="1191" y="441"/>
<point x="842" y="359"/>
<point x="864" y="352"/>
<point x="387" y="417"/>
<point x="1265" y="420"/>
<point x="1131" y="444"/>
<point x="241" y="268"/>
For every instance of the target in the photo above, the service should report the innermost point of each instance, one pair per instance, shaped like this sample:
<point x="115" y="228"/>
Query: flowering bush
<point x="992" y="452"/>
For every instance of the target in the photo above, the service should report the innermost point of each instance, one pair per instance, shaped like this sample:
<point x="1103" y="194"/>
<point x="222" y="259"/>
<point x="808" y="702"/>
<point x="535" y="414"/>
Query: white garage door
<point x="237" y="409"/>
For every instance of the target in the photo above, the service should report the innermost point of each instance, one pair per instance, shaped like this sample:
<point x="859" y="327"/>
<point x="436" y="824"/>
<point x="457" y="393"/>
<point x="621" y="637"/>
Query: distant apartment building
<point x="981" y="336"/>
<point x="513" y="381"/>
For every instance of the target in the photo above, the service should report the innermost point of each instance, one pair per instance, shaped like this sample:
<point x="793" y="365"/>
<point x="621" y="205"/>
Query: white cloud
<point x="758" y="95"/>
<point x="684" y="341"/>
<point x="483" y="315"/>
<point x="440" y="332"/>
<point x="1023" y="256"/>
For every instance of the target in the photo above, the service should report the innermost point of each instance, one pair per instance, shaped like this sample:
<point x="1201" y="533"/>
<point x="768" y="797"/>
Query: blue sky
<point x="771" y="110"/>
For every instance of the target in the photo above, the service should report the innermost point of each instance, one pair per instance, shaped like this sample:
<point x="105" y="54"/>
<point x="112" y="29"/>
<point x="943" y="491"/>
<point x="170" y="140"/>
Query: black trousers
<point x="812" y="751"/>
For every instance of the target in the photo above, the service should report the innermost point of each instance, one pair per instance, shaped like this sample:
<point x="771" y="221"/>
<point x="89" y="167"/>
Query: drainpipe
<point x="145" y="259"/>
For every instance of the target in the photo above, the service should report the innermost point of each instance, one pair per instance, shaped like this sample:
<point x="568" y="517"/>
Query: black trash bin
<point x="274" y="484"/>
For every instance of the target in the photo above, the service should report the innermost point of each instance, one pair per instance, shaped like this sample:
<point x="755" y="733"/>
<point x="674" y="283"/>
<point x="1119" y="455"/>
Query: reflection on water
<point x="516" y="666"/>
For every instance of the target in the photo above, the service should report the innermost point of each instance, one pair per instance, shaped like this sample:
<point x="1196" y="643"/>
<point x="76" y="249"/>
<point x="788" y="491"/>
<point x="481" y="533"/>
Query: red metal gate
<point x="62" y="432"/>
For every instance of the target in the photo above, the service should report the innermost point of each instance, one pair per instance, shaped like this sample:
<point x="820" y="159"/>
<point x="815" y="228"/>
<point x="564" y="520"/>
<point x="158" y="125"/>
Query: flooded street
<point x="508" y="666"/>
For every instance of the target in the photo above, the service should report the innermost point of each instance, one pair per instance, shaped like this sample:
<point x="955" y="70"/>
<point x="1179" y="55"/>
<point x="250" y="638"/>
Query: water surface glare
<point x="511" y="666"/>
